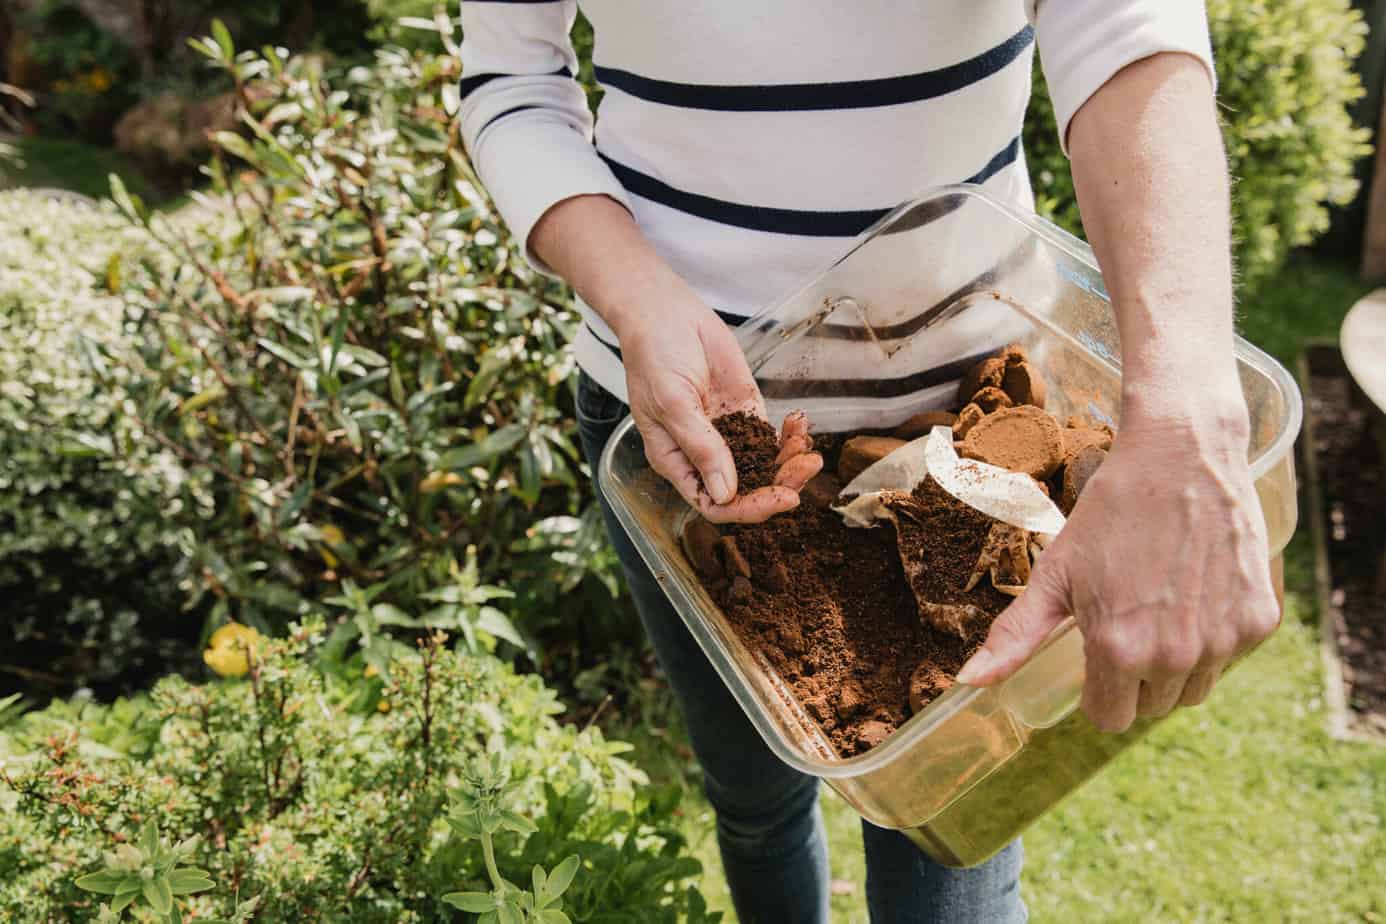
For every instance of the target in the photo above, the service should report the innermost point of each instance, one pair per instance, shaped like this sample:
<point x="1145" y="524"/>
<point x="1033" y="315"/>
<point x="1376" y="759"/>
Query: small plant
<point x="478" y="813"/>
<point x="321" y="785"/>
<point x="152" y="873"/>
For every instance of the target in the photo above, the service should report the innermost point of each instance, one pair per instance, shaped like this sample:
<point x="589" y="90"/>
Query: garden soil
<point x="1350" y="442"/>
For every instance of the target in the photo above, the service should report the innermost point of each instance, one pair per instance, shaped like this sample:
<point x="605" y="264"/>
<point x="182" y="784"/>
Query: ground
<point x="1243" y="810"/>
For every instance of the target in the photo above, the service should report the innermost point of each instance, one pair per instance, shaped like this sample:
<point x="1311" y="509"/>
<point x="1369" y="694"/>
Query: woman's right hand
<point x="683" y="366"/>
<point x="684" y="369"/>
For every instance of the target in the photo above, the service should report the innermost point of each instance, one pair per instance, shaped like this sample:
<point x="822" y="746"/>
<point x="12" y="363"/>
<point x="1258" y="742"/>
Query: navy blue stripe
<point x="802" y="222"/>
<point x="500" y="115"/>
<point x="853" y="388"/>
<point x="467" y="85"/>
<point x="804" y="97"/>
<point x="729" y="319"/>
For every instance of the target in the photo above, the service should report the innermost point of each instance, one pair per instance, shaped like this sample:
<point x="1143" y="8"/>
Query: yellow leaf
<point x="438" y="480"/>
<point x="228" y="652"/>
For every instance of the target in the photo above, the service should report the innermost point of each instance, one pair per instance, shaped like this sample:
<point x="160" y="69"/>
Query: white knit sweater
<point x="753" y="140"/>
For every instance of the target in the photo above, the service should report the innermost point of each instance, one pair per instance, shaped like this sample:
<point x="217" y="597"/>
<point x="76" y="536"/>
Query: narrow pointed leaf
<point x="157" y="893"/>
<point x="105" y="882"/>
<point x="561" y="878"/>
<point x="475" y="902"/>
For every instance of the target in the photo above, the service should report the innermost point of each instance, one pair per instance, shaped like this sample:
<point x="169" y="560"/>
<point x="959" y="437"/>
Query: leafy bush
<point x="87" y="554"/>
<point x="1285" y="82"/>
<point x="353" y="359"/>
<point x="322" y="792"/>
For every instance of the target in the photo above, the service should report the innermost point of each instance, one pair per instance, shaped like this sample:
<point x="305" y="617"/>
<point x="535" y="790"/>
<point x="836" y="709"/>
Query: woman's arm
<point x="1164" y="562"/>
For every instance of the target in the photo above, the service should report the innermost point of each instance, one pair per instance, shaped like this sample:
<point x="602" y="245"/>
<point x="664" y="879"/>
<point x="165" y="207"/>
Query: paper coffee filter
<point x="1010" y="497"/>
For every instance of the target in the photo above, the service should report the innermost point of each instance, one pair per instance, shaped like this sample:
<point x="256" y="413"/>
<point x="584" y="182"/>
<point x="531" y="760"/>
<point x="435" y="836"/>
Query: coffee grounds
<point x="831" y="607"/>
<point x="831" y="610"/>
<point x="754" y="446"/>
<point x="940" y="539"/>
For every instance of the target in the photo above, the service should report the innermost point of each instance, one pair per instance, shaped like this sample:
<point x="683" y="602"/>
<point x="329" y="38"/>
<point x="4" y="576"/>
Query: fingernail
<point x="977" y="667"/>
<point x="717" y="487"/>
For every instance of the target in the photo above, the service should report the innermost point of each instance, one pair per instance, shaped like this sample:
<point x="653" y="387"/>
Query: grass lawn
<point x="1243" y="810"/>
<point x="83" y="168"/>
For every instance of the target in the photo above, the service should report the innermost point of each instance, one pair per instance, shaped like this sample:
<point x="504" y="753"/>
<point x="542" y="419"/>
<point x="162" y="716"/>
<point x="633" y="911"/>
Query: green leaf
<point x="500" y="441"/>
<point x="295" y="503"/>
<point x="158" y="894"/>
<point x="124" y="899"/>
<point x="498" y="624"/>
<point x="490" y="368"/>
<point x="105" y="882"/>
<point x="364" y="356"/>
<point x="202" y="399"/>
<point x="553" y="916"/>
<point x="297" y="360"/>
<point x="188" y="880"/>
<point x="516" y="822"/>
<point x="475" y="902"/>
<point x="510" y="913"/>
<point x="234" y="144"/>
<point x="561" y="878"/>
<point x="129" y="204"/>
<point x="223" y="38"/>
<point x="387" y="614"/>
<point x="149" y="839"/>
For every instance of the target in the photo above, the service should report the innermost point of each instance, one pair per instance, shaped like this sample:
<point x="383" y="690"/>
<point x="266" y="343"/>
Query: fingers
<point x="670" y="463"/>
<point x="1110" y="695"/>
<point x="1017" y="632"/>
<point x="702" y="447"/>
<point x="799" y="470"/>
<point x="755" y="507"/>
<point x="1157" y="697"/>
<point x="793" y="446"/>
<point x="1199" y="684"/>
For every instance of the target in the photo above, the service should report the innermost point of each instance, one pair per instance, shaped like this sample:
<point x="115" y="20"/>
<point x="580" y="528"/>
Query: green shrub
<point x="1285" y="82"/>
<point x="87" y="549"/>
<point x="352" y="357"/>
<point x="323" y="793"/>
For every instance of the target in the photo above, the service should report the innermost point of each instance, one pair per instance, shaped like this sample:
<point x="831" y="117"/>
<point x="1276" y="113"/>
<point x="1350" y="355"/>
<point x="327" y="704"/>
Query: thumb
<point x="1020" y="629"/>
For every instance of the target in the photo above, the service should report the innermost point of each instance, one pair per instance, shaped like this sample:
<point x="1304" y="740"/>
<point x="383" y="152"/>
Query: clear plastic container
<point x="939" y="282"/>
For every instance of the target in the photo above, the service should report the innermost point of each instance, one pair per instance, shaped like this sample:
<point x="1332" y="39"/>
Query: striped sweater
<point x="752" y="141"/>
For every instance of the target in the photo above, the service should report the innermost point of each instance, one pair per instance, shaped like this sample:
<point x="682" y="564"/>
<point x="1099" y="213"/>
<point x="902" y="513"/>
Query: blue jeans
<point x="769" y="826"/>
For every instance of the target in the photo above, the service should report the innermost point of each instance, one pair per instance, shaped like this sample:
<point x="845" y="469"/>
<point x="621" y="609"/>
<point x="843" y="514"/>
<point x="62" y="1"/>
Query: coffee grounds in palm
<point x="754" y="448"/>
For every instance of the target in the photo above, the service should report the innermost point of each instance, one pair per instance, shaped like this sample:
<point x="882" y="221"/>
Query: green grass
<point x="72" y="165"/>
<point x="1243" y="810"/>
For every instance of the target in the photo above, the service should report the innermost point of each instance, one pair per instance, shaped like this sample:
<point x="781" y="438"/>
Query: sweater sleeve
<point x="524" y="118"/>
<point x="1083" y="43"/>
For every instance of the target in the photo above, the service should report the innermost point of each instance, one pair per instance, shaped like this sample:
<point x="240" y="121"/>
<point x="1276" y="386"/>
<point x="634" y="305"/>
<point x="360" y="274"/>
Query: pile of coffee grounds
<point x="829" y="607"/>
<point x="840" y="612"/>
<point x="942" y="538"/>
<point x="755" y="445"/>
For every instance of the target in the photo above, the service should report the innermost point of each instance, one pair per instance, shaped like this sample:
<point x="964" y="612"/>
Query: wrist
<point x="657" y="309"/>
<point x="1209" y="415"/>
